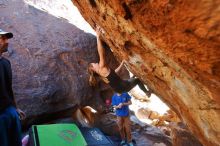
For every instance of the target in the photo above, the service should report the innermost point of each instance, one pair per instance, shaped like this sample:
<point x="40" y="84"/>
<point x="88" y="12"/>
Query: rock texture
<point x="182" y="137"/>
<point x="173" y="46"/>
<point x="49" y="59"/>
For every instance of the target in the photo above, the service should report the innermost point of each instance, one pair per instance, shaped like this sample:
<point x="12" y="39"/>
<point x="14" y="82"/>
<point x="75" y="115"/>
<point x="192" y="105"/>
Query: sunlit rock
<point x="173" y="46"/>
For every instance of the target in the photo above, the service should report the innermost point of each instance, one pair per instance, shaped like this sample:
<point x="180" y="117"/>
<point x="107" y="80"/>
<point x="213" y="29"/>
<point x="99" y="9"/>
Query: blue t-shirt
<point x="117" y="99"/>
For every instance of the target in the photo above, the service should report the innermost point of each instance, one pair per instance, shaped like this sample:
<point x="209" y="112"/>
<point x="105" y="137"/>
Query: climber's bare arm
<point x="101" y="50"/>
<point x="119" y="67"/>
<point x="102" y="69"/>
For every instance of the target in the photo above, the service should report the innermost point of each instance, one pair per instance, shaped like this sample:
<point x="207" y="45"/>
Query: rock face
<point x="182" y="137"/>
<point x="49" y="59"/>
<point x="173" y="46"/>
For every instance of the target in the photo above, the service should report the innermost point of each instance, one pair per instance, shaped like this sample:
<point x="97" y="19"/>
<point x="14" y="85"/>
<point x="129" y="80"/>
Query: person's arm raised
<point x="119" y="67"/>
<point x="101" y="50"/>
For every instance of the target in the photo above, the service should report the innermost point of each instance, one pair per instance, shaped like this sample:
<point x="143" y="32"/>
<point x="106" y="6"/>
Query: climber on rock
<point x="109" y="75"/>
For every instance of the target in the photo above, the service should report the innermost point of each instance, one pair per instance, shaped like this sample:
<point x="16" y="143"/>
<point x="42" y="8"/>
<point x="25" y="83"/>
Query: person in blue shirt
<point x="121" y="101"/>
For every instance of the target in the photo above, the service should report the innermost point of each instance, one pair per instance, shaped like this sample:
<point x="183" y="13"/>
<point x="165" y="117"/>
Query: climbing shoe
<point x="130" y="144"/>
<point x="122" y="142"/>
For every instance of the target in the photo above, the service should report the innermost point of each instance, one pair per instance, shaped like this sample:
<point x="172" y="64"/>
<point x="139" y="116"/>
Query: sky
<point x="62" y="9"/>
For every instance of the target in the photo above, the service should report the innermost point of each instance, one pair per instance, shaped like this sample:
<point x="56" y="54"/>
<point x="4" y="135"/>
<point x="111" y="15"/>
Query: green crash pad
<point x="58" y="135"/>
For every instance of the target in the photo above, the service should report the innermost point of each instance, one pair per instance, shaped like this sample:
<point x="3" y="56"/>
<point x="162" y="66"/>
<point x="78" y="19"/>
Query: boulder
<point x="181" y="136"/>
<point x="49" y="58"/>
<point x="173" y="47"/>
